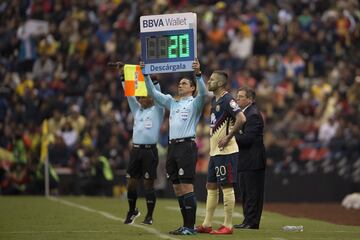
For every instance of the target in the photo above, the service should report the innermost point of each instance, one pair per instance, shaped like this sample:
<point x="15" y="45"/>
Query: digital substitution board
<point x="168" y="42"/>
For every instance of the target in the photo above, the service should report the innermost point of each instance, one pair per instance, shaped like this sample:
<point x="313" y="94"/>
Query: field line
<point x="112" y="217"/>
<point x="59" y="231"/>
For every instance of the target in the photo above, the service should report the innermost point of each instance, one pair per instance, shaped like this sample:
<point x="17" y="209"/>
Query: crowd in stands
<point x="302" y="57"/>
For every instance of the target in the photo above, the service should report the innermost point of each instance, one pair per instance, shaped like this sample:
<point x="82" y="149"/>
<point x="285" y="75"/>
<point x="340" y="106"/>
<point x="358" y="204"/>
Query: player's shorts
<point x="181" y="161"/>
<point x="223" y="169"/>
<point x="144" y="160"/>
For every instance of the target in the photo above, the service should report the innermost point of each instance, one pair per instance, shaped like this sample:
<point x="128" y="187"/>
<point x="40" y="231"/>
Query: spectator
<point x="327" y="131"/>
<point x="101" y="179"/>
<point x="76" y="120"/>
<point x="59" y="153"/>
<point x="70" y="63"/>
<point x="293" y="65"/>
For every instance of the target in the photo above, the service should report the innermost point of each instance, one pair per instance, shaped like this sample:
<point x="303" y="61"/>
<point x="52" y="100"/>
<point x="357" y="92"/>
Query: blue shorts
<point x="223" y="169"/>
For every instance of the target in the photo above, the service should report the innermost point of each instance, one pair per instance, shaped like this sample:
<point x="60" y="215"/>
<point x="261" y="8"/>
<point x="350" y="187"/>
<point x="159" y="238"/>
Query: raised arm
<point x="202" y="90"/>
<point x="159" y="97"/>
<point x="157" y="86"/>
<point x="201" y="86"/>
<point x="159" y="108"/>
<point x="133" y="103"/>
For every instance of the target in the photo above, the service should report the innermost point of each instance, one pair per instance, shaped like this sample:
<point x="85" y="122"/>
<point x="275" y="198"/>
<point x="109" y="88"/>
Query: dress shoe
<point x="246" y="226"/>
<point x="239" y="225"/>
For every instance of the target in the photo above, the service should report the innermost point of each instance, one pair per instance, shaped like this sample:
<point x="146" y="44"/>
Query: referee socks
<point x="190" y="210"/>
<point x="132" y="197"/>
<point x="182" y="208"/>
<point x="150" y="201"/>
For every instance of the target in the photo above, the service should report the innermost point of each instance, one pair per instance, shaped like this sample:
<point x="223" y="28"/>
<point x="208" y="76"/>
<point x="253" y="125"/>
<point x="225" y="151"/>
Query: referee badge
<point x="181" y="171"/>
<point x="217" y="108"/>
<point x="146" y="175"/>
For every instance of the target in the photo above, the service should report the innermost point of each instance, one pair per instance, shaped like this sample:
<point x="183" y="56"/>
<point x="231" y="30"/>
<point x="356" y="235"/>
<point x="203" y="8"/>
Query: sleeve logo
<point x="234" y="105"/>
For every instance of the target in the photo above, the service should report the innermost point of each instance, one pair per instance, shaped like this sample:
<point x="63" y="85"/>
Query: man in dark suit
<point x="251" y="165"/>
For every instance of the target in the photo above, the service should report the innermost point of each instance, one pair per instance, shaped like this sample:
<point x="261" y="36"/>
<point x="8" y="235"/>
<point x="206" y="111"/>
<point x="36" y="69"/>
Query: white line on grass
<point x="60" y="231"/>
<point x="220" y="213"/>
<point x="112" y="217"/>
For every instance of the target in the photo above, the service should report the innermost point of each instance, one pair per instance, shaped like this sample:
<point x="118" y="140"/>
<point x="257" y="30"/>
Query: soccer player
<point x="226" y="120"/>
<point x="182" y="151"/>
<point x="144" y="154"/>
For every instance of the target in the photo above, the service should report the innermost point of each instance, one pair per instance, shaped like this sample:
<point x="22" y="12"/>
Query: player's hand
<point x="196" y="66"/>
<point x="223" y="142"/>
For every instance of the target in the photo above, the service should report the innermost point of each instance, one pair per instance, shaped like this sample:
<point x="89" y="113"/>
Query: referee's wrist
<point x="198" y="74"/>
<point x="155" y="82"/>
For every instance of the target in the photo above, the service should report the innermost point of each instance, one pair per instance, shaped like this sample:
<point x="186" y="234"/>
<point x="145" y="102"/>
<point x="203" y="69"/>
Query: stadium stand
<point x="303" y="58"/>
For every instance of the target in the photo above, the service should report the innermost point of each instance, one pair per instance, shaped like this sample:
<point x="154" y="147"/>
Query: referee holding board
<point x="185" y="113"/>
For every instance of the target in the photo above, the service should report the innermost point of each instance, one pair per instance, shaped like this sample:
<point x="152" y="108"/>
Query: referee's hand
<point x="115" y="65"/>
<point x="196" y="66"/>
<point x="142" y="67"/>
<point x="142" y="64"/>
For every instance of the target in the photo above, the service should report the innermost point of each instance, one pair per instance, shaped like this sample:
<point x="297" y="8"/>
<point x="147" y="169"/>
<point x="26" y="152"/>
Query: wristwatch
<point x="198" y="74"/>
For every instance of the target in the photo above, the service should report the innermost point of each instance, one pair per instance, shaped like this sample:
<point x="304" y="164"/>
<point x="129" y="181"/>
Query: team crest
<point x="181" y="171"/>
<point x="147" y="175"/>
<point x="234" y="105"/>
<point x="217" y="108"/>
<point x="128" y="175"/>
<point x="167" y="175"/>
<point x="212" y="120"/>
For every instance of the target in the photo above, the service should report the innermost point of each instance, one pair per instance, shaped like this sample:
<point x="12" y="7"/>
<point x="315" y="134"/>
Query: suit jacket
<point x="250" y="141"/>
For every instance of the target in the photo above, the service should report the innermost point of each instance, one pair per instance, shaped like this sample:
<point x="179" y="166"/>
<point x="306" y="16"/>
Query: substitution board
<point x="168" y="42"/>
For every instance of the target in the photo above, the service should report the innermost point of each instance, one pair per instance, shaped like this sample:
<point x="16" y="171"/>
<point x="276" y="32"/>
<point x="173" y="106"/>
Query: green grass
<point x="40" y="218"/>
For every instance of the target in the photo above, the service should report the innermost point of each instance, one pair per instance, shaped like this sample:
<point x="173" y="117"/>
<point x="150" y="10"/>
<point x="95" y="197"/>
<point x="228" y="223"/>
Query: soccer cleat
<point x="131" y="216"/>
<point x="148" y="220"/>
<point x="202" y="229"/>
<point x="185" y="231"/>
<point x="174" y="232"/>
<point x="222" y="230"/>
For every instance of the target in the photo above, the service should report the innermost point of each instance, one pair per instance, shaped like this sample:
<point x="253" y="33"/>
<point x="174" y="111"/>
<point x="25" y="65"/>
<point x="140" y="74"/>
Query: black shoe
<point x="239" y="225"/>
<point x="131" y="216"/>
<point x="246" y="226"/>
<point x="148" y="220"/>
